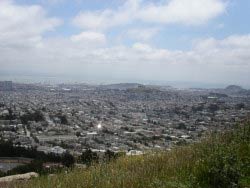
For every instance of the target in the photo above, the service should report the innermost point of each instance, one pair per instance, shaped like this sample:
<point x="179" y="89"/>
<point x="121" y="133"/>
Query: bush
<point x="88" y="157"/>
<point x="34" y="166"/>
<point x="68" y="160"/>
<point x="224" y="161"/>
<point x="219" y="170"/>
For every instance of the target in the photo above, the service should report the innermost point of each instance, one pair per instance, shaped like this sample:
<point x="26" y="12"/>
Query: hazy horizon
<point x="57" y="80"/>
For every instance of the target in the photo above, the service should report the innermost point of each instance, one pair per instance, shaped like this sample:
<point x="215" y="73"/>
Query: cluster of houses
<point x="130" y="119"/>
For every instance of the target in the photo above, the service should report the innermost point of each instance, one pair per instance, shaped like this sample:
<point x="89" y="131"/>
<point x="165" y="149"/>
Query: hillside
<point x="221" y="160"/>
<point x="121" y="86"/>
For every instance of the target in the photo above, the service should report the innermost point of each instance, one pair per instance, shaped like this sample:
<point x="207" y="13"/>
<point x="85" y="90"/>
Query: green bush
<point x="219" y="170"/>
<point x="224" y="162"/>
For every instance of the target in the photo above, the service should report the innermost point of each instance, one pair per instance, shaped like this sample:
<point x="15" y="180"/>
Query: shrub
<point x="219" y="170"/>
<point x="225" y="160"/>
<point x="88" y="157"/>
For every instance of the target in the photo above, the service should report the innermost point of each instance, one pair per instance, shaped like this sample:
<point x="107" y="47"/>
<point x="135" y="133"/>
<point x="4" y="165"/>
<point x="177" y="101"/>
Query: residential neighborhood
<point x="131" y="118"/>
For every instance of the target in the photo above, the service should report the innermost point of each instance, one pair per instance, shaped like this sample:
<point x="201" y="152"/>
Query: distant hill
<point x="162" y="88"/>
<point x="121" y="86"/>
<point x="234" y="88"/>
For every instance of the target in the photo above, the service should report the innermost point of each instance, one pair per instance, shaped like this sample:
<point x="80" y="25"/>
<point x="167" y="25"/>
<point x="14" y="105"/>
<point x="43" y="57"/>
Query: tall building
<point x="6" y="85"/>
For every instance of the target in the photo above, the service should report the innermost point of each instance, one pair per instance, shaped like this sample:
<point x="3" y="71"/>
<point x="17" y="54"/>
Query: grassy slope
<point x="222" y="160"/>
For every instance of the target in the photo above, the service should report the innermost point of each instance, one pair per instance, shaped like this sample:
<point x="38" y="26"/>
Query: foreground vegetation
<point x="39" y="159"/>
<point x="8" y="150"/>
<point x="222" y="160"/>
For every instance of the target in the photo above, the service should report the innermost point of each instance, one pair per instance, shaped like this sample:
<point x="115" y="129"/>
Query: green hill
<point x="221" y="160"/>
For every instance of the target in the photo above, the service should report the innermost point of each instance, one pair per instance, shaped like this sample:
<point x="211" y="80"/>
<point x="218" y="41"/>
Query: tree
<point x="89" y="157"/>
<point x="36" y="116"/>
<point x="109" y="155"/>
<point x="68" y="160"/>
<point x="63" y="119"/>
<point x="78" y="134"/>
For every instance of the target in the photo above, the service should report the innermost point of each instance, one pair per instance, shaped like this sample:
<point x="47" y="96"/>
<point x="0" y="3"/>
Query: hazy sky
<point x="127" y="40"/>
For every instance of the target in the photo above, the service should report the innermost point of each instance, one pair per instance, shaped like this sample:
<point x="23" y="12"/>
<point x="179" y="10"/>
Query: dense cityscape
<point x="132" y="118"/>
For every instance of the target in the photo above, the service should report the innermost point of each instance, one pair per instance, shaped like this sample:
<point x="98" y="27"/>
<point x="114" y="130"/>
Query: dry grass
<point x="178" y="168"/>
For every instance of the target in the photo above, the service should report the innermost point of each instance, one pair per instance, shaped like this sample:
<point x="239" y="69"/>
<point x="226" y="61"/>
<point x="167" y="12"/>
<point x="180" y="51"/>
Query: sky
<point x="202" y="42"/>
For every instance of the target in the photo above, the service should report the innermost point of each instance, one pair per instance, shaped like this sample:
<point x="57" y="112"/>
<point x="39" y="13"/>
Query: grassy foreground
<point x="220" y="161"/>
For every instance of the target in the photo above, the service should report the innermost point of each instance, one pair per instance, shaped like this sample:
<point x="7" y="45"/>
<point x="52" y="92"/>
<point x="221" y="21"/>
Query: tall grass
<point x="219" y="161"/>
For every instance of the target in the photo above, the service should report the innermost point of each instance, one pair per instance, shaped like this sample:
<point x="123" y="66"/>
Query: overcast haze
<point x="185" y="41"/>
